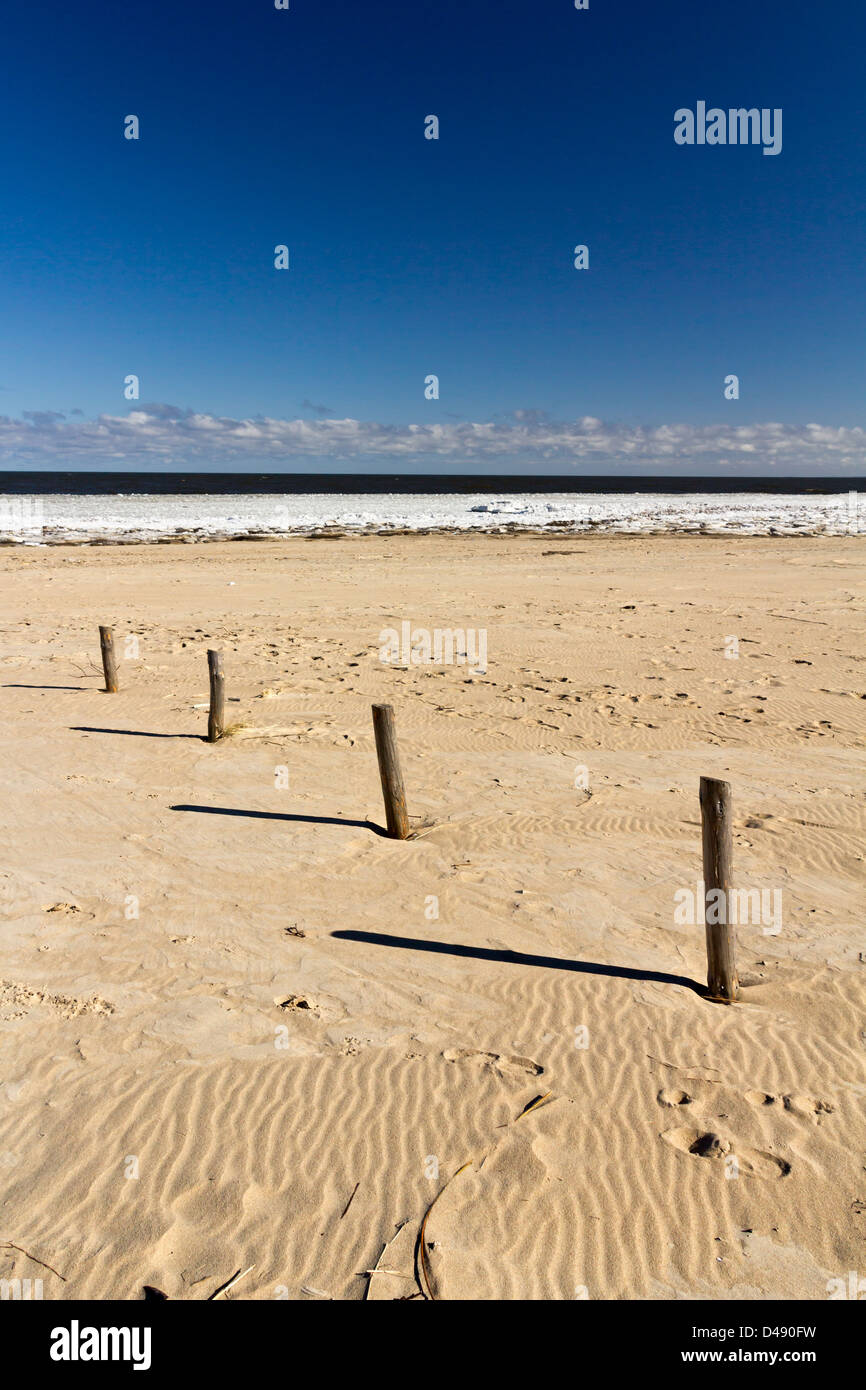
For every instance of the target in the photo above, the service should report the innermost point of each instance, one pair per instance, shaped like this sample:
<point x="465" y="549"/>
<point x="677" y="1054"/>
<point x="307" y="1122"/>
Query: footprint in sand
<point x="673" y="1096"/>
<point x="715" y="1147"/>
<point x="324" y="1007"/>
<point x="804" y="1107"/>
<point x="23" y="997"/>
<point x="506" y="1066"/>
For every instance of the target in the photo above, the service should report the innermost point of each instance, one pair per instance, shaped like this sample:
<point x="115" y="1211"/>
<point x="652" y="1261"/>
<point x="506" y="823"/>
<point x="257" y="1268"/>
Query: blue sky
<point x="412" y="257"/>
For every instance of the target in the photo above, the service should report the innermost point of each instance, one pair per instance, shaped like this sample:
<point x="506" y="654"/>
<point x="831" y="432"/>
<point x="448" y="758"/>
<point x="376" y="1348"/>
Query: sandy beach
<point x="241" y="1029"/>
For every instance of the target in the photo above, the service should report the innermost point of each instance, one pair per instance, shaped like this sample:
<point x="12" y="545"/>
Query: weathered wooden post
<point x="109" y="664"/>
<point x="722" y="982"/>
<point x="389" y="771"/>
<point x="216" y="717"/>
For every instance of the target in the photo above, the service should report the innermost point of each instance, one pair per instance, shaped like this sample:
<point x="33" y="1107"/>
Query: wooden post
<point x="722" y="982"/>
<point x="216" y="717"/>
<point x="109" y="664"/>
<point x="389" y="771"/>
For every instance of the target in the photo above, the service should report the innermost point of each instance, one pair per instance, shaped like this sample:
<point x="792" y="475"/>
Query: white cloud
<point x="166" y="437"/>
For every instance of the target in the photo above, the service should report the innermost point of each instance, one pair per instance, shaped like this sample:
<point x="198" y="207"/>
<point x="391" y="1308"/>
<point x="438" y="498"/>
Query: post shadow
<point x="580" y="967"/>
<point x="129" y="733"/>
<point x="284" y="816"/>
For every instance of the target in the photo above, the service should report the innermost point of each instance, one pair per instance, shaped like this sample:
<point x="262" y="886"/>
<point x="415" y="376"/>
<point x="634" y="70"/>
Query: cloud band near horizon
<point x="167" y="437"/>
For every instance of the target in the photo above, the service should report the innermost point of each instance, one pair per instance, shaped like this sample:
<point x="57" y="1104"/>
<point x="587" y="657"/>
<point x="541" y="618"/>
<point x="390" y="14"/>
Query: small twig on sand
<point x="10" y="1245"/>
<point x="223" y="1288"/>
<point x="421" y="1250"/>
<point x="349" y="1203"/>
<point x="533" y="1105"/>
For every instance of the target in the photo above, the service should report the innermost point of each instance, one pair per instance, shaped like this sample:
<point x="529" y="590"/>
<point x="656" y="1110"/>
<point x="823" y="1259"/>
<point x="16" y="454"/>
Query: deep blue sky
<point x="411" y="256"/>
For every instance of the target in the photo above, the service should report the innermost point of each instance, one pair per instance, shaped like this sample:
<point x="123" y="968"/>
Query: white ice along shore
<point x="59" y="519"/>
